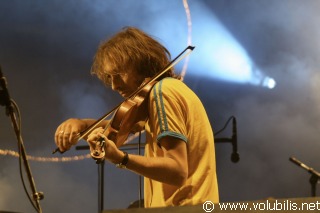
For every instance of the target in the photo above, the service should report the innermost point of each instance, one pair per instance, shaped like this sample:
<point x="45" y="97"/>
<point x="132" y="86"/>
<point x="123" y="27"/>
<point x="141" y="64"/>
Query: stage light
<point x="269" y="82"/>
<point x="219" y="55"/>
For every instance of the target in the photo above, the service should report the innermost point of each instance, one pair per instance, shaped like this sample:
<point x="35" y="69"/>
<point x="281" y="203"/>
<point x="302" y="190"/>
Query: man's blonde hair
<point x="131" y="49"/>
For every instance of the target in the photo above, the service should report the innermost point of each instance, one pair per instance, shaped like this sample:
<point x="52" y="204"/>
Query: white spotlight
<point x="269" y="82"/>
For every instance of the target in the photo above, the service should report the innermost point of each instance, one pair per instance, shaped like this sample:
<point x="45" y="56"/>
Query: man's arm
<point x="171" y="169"/>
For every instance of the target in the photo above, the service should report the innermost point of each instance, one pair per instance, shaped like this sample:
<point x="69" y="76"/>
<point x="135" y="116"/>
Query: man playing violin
<point x="178" y="165"/>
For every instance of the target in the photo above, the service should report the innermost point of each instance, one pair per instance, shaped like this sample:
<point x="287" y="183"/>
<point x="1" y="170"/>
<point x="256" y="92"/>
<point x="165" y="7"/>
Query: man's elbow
<point x="180" y="179"/>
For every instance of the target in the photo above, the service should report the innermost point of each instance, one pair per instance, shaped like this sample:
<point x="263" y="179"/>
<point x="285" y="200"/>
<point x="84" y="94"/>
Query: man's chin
<point x="124" y="95"/>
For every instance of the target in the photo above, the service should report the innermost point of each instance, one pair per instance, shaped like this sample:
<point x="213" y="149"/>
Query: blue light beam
<point x="219" y="55"/>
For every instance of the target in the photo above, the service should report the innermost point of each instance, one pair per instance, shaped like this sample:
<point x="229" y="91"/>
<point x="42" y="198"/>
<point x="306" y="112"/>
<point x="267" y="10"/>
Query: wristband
<point x="124" y="162"/>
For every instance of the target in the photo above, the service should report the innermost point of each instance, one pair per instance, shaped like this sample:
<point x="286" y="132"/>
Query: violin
<point x="131" y="111"/>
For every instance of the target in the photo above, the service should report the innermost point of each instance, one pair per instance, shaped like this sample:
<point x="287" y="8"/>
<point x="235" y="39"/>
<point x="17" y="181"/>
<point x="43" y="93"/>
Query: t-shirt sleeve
<point x="167" y="112"/>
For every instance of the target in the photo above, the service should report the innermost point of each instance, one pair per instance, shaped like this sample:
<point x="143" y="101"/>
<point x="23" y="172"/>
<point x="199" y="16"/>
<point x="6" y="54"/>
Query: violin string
<point x="109" y="123"/>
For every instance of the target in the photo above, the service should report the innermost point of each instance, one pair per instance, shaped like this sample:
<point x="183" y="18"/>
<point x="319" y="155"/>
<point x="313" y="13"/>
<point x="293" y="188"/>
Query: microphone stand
<point x="233" y="140"/>
<point x="315" y="176"/>
<point x="101" y="174"/>
<point x="6" y="101"/>
<point x="36" y="195"/>
<point x="101" y="188"/>
<point x="234" y="155"/>
<point x="100" y="180"/>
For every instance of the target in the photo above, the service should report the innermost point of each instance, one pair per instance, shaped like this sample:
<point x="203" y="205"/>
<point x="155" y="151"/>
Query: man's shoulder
<point x="170" y="87"/>
<point x="168" y="83"/>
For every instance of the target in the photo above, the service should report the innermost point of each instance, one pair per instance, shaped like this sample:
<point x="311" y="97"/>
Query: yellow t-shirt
<point x="174" y="110"/>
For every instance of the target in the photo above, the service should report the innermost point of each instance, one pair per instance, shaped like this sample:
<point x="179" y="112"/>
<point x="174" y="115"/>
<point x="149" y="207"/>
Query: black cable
<point x="16" y="109"/>
<point x="225" y="126"/>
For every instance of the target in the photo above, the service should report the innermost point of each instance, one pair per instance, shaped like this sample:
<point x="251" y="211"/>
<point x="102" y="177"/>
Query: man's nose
<point x="115" y="82"/>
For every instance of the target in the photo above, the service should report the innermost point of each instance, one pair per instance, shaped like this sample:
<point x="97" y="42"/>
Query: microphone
<point x="235" y="155"/>
<point x="4" y="94"/>
<point x="304" y="166"/>
<point x="297" y="162"/>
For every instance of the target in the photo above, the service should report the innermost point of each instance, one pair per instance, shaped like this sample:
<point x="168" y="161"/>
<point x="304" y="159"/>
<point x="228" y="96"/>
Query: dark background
<point x="46" y="50"/>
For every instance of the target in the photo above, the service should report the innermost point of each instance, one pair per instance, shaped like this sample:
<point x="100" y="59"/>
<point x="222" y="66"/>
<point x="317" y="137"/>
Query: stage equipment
<point x="11" y="109"/>
<point x="314" y="174"/>
<point x="233" y="140"/>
